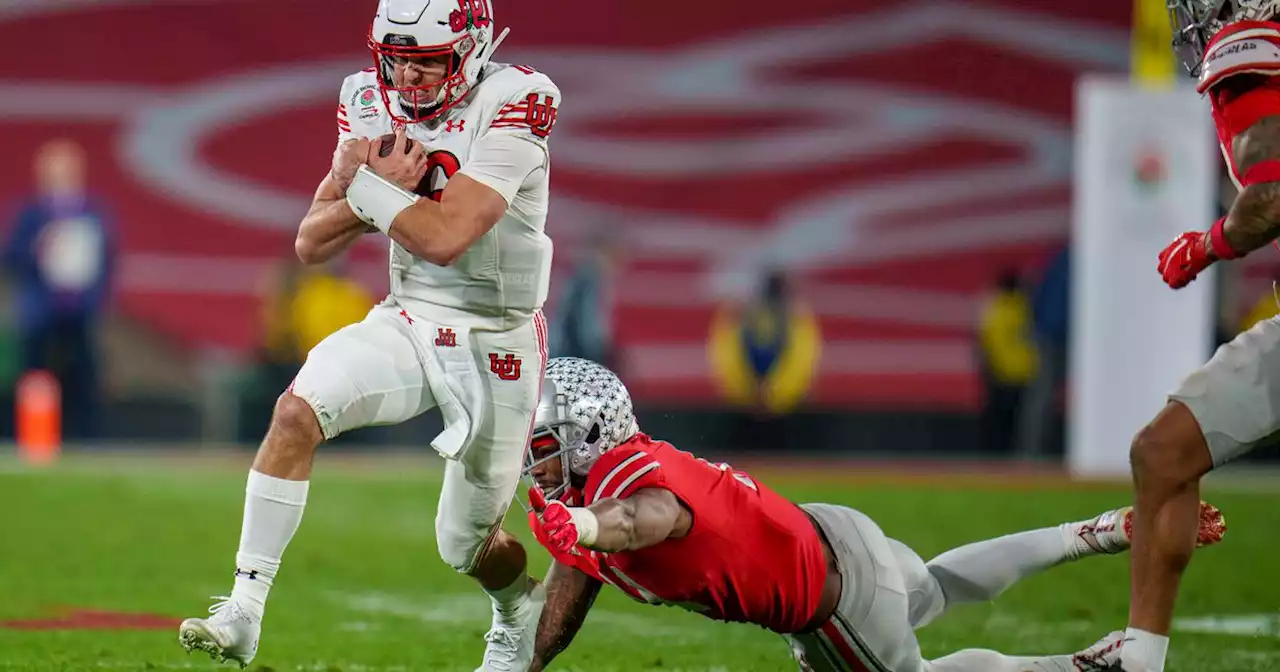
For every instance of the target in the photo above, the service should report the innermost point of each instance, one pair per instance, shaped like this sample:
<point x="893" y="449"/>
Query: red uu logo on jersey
<point x="540" y="116"/>
<point x="446" y="338"/>
<point x="455" y="125"/>
<point x="505" y="368"/>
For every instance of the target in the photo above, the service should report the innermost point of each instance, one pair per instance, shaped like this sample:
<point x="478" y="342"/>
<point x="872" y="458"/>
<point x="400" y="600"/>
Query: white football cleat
<point x="510" y="640"/>
<point x="1108" y="533"/>
<point x="229" y="635"/>
<point x="1105" y="655"/>
<point x="1112" y="532"/>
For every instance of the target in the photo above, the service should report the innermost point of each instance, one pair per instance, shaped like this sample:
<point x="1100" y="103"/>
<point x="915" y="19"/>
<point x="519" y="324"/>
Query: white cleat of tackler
<point x="509" y="644"/>
<point x="229" y="635"/>
<point x="1105" y="655"/>
<point x="1112" y="532"/>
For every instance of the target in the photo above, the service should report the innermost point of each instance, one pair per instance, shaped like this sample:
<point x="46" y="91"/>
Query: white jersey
<point x="505" y="274"/>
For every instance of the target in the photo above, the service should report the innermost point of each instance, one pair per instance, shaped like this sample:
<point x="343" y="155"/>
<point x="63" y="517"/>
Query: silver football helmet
<point x="587" y="410"/>
<point x="1195" y="22"/>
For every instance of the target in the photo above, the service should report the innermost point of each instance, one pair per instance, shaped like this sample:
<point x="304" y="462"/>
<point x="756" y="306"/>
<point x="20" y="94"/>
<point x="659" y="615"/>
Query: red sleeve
<point x="1240" y="110"/>
<point x="622" y="471"/>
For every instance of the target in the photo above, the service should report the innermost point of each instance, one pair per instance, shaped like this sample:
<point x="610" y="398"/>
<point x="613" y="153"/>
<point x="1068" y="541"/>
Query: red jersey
<point x="1241" y="74"/>
<point x="750" y="556"/>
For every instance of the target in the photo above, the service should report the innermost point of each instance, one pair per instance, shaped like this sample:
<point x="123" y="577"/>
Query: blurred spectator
<point x="10" y="359"/>
<point x="582" y="325"/>
<point x="61" y="254"/>
<point x="1267" y="307"/>
<point x="764" y="355"/>
<point x="326" y="301"/>
<point x="1051" y="310"/>
<point x="1008" y="361"/>
<point x="301" y="305"/>
<point x="278" y="355"/>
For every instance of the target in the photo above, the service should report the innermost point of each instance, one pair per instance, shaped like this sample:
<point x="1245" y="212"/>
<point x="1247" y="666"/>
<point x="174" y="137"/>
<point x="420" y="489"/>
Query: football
<point x="387" y="143"/>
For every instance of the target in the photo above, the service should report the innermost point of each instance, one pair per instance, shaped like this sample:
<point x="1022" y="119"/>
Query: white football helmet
<point x="408" y="29"/>
<point x="587" y="410"/>
<point x="1195" y="22"/>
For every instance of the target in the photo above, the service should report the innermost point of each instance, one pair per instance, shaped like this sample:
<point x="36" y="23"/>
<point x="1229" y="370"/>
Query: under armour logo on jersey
<point x="505" y="368"/>
<point x="540" y="116"/>
<point x="445" y="338"/>
<point x="455" y="125"/>
<point x="405" y="315"/>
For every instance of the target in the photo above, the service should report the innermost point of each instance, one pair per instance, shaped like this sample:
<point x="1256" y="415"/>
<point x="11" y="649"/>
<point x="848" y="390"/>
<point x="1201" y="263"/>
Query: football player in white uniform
<point x="462" y="196"/>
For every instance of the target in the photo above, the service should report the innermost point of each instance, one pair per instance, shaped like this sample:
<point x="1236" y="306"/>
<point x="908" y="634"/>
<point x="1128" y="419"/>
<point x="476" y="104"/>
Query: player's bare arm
<point x="441" y="232"/>
<point x="1254" y="219"/>
<point x="648" y="517"/>
<point x="330" y="226"/>
<point x="570" y="594"/>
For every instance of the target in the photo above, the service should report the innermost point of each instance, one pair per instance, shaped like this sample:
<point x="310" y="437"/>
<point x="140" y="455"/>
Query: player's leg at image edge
<point x="912" y="591"/>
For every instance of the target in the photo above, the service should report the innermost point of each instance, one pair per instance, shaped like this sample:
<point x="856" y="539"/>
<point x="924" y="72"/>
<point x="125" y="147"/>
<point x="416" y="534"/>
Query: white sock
<point x="512" y="597"/>
<point x="981" y="571"/>
<point x="1143" y="651"/>
<point x="272" y="511"/>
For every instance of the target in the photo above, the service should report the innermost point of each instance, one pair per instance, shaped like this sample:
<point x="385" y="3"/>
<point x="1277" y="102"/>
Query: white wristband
<point x="377" y="201"/>
<point x="587" y="523"/>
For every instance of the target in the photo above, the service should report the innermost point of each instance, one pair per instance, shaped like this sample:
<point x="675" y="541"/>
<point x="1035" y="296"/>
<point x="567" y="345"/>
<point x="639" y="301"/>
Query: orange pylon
<point x="38" y="414"/>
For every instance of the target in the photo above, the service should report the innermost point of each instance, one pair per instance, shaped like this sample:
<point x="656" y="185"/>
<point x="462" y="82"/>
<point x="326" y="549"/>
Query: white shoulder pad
<point x="520" y="100"/>
<point x="1255" y="51"/>
<point x="361" y="110"/>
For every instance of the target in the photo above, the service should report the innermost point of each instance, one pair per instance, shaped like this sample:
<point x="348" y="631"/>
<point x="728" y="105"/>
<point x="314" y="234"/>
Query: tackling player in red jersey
<point x="665" y="527"/>
<point x="1230" y="405"/>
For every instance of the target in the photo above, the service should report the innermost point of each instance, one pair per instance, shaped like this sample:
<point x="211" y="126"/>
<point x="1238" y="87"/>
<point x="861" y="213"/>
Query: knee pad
<point x="462" y="549"/>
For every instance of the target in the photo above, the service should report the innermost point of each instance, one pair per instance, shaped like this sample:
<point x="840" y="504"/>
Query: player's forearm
<point x="329" y="227"/>
<point x="1254" y="219"/>
<point x="441" y="232"/>
<point x="630" y="524"/>
<point x="326" y="231"/>
<point x="425" y="231"/>
<point x="570" y="594"/>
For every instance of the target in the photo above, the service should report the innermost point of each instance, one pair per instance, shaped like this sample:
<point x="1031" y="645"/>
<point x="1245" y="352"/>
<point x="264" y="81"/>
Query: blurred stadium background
<point x="827" y="233"/>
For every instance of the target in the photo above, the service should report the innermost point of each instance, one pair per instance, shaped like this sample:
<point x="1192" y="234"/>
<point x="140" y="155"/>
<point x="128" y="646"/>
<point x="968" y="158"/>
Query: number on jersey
<point x="737" y="475"/>
<point x="448" y="165"/>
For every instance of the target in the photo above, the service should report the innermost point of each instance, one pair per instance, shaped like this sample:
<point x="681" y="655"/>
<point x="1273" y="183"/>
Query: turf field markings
<point x="359" y="626"/>
<point x="146" y="665"/>
<point x="457" y="607"/>
<point x="1241" y="625"/>
<point x="1260" y="660"/>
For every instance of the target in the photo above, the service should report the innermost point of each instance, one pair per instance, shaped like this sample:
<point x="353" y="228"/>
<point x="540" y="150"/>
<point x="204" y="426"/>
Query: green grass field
<point x="362" y="588"/>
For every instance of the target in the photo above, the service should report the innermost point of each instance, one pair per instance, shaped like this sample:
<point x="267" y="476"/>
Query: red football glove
<point x="1184" y="258"/>
<point x="557" y="529"/>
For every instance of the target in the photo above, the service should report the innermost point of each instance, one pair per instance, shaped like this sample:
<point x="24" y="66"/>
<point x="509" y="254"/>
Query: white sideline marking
<point x="1242" y="625"/>
<point x="452" y="608"/>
